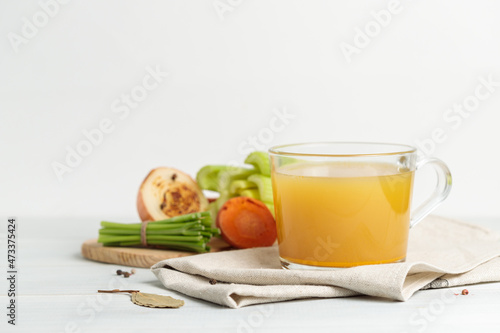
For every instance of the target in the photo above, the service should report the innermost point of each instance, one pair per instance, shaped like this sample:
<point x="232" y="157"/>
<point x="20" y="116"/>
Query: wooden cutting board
<point x="139" y="257"/>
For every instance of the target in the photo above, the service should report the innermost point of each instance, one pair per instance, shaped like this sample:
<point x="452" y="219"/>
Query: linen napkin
<point x="441" y="253"/>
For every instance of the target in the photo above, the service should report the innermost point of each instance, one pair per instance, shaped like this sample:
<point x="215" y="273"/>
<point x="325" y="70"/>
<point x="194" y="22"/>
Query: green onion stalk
<point x="190" y="232"/>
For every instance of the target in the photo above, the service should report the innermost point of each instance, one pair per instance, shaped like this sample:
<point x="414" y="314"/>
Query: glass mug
<point x="347" y="204"/>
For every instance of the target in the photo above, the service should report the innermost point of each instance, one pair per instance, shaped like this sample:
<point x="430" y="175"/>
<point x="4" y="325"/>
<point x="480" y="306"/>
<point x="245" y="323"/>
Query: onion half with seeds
<point x="168" y="192"/>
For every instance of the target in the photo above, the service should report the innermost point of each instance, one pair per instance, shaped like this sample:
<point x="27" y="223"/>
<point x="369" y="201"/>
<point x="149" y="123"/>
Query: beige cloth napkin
<point x="441" y="253"/>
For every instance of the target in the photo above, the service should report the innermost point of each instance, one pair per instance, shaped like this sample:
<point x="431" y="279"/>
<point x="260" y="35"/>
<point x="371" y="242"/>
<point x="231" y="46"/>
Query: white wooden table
<point x="57" y="293"/>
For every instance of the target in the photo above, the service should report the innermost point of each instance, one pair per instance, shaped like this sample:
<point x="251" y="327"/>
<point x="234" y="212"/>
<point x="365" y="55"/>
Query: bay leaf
<point x="156" y="301"/>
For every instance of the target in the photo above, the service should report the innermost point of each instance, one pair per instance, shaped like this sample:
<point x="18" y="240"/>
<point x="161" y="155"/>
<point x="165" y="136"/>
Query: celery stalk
<point x="231" y="181"/>
<point x="224" y="196"/>
<point x="270" y="205"/>
<point x="208" y="175"/>
<point x="251" y="193"/>
<point x="239" y="185"/>
<point x="260" y="160"/>
<point x="265" y="187"/>
<point x="226" y="177"/>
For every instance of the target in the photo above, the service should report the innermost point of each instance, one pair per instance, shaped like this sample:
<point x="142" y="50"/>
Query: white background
<point x="227" y="73"/>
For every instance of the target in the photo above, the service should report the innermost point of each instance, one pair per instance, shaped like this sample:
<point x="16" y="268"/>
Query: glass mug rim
<point x="288" y="149"/>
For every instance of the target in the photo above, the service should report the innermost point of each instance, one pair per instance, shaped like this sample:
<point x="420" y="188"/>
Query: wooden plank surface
<point x="57" y="293"/>
<point x="139" y="257"/>
<point x="424" y="312"/>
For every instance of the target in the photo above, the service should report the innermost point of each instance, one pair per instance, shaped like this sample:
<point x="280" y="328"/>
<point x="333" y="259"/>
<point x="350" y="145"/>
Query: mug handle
<point x="441" y="192"/>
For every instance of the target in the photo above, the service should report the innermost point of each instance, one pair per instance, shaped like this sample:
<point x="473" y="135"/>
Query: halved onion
<point x="168" y="192"/>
